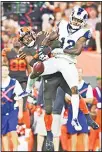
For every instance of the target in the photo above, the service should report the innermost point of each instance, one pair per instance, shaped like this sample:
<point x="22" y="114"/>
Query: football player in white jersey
<point x="73" y="36"/>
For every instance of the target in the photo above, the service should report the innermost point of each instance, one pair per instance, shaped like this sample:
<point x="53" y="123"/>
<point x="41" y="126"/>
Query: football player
<point x="73" y="36"/>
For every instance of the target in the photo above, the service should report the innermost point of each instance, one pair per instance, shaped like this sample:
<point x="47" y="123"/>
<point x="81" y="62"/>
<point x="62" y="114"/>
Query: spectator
<point x="92" y="21"/>
<point x="11" y="110"/>
<point x="96" y="134"/>
<point x="19" y="69"/>
<point x="88" y="5"/>
<point x="63" y="6"/>
<point x="10" y="28"/>
<point x="5" y="40"/>
<point x="70" y="5"/>
<point x="68" y="10"/>
<point x="98" y="32"/>
<point x="85" y="91"/>
<point x="75" y="134"/>
<point x="46" y="26"/>
<point x="58" y="17"/>
<point x="87" y="94"/>
<point x="48" y="7"/>
<point x="78" y="4"/>
<point x="56" y="7"/>
<point x="98" y="90"/>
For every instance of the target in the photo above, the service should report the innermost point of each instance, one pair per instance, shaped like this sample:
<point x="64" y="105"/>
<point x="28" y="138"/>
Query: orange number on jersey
<point x="17" y="65"/>
<point x="14" y="65"/>
<point x="22" y="65"/>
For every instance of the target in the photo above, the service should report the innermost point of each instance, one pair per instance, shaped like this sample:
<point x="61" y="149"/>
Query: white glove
<point x="57" y="51"/>
<point x="43" y="57"/>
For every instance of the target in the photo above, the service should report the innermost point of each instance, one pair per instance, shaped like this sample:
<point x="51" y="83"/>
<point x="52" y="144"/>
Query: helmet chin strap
<point x="31" y="44"/>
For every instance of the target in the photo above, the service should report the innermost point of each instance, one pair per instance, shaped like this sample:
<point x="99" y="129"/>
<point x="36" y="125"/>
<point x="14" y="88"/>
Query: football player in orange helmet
<point x="27" y="36"/>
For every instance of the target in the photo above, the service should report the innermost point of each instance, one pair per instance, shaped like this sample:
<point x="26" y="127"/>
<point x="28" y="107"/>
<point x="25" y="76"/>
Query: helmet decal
<point x="80" y="10"/>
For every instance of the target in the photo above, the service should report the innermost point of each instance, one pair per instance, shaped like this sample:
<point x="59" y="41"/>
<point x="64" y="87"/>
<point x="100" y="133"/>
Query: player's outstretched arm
<point x="78" y="47"/>
<point x="50" y="37"/>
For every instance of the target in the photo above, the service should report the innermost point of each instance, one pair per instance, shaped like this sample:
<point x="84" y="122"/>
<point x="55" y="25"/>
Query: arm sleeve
<point x="18" y="89"/>
<point x="89" y="93"/>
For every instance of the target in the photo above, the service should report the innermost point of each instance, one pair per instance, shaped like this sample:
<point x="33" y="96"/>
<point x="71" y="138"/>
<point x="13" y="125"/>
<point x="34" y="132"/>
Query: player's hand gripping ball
<point x="38" y="67"/>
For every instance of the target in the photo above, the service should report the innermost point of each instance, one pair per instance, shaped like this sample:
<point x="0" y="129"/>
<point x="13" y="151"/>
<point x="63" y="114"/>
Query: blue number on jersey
<point x="71" y="43"/>
<point x="62" y="43"/>
<point x="80" y="10"/>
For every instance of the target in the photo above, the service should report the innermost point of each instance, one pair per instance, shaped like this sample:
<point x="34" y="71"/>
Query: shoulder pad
<point x="87" y="34"/>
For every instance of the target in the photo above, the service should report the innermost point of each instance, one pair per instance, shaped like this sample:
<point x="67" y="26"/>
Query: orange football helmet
<point x="27" y="36"/>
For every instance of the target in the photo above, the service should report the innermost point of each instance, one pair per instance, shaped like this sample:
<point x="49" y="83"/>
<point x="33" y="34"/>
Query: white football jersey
<point x="68" y="40"/>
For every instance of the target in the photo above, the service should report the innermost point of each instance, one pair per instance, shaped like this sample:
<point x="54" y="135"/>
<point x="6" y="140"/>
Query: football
<point x="38" y="67"/>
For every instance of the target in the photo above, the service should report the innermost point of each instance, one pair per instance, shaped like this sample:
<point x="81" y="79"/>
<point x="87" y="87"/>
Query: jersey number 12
<point x="71" y="43"/>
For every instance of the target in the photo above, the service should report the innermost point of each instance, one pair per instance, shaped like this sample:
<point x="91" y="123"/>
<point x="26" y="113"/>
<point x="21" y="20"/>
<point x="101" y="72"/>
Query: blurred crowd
<point x="45" y="16"/>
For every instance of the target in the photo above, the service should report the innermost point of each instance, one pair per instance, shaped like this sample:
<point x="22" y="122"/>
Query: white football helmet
<point x="78" y="18"/>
